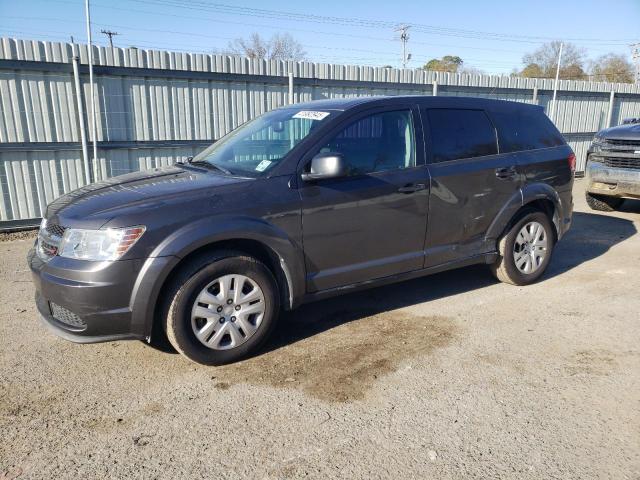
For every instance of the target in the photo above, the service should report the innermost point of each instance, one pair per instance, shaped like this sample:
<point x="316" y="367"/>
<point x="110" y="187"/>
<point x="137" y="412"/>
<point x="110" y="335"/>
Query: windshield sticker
<point x="311" y="115"/>
<point x="263" y="165"/>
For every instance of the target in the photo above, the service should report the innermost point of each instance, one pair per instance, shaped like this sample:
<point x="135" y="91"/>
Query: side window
<point x="457" y="133"/>
<point x="525" y="130"/>
<point x="379" y="142"/>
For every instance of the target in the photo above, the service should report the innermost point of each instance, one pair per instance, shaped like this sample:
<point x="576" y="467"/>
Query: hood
<point x="97" y="203"/>
<point x="622" y="132"/>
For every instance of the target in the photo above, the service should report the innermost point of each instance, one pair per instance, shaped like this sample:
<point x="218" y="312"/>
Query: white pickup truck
<point x="613" y="166"/>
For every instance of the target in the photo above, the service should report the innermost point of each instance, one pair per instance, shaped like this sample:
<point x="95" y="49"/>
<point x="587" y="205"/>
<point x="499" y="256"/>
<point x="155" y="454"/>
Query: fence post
<point x="83" y="134"/>
<point x="290" y="88"/>
<point x="435" y="88"/>
<point x="535" y="95"/>
<point x="612" y="97"/>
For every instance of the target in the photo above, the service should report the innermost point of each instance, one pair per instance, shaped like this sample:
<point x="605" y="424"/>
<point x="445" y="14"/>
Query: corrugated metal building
<point x="156" y="107"/>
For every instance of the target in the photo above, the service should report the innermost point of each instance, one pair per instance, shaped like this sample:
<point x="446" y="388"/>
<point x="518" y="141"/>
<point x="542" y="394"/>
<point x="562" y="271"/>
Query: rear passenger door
<point x="470" y="182"/>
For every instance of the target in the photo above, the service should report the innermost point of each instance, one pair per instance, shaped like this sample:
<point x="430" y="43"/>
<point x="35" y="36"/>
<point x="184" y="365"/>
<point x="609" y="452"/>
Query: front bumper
<point x="614" y="182"/>
<point x="87" y="302"/>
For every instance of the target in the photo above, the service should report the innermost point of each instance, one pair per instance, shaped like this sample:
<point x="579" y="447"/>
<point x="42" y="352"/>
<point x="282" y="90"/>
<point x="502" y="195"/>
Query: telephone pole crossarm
<point x="110" y="34"/>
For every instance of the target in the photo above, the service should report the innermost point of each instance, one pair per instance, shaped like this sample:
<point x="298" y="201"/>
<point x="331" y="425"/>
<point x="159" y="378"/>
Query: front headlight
<point x="597" y="143"/>
<point x="99" y="245"/>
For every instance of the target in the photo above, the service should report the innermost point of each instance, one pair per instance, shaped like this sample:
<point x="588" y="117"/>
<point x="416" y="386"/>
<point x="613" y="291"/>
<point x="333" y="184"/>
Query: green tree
<point x="448" y="63"/>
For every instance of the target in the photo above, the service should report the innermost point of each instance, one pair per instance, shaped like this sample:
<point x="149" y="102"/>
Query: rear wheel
<point x="222" y="308"/>
<point x="602" y="203"/>
<point x="525" y="250"/>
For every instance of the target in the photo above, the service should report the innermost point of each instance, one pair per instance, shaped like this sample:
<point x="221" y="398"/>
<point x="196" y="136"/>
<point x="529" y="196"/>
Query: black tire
<point x="191" y="280"/>
<point x="505" y="269"/>
<point x="603" y="203"/>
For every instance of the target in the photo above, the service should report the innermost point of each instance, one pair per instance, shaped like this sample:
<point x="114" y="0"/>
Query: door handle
<point x="506" y="173"/>
<point x="412" y="188"/>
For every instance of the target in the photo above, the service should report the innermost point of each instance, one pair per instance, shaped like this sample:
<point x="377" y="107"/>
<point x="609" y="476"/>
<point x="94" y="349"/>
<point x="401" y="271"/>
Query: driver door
<point x="371" y="222"/>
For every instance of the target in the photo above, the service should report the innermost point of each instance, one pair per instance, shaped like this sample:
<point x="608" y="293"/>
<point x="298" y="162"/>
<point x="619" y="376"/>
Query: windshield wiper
<point x="210" y="166"/>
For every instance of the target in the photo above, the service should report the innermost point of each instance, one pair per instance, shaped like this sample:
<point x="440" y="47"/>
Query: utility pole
<point x="404" y="38"/>
<point x="635" y="53"/>
<point x="110" y="34"/>
<point x="555" y="85"/>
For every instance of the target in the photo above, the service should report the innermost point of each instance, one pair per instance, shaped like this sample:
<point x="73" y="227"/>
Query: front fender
<point x="168" y="254"/>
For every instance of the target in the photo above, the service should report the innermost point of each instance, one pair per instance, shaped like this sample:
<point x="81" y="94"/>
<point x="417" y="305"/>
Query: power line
<point x="355" y="21"/>
<point x="259" y="25"/>
<point x="351" y="21"/>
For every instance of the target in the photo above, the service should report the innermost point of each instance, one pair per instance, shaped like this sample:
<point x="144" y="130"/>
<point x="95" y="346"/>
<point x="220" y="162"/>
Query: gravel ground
<point x="450" y="376"/>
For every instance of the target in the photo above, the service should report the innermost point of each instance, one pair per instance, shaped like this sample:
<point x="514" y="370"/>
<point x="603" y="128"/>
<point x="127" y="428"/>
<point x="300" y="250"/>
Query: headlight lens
<point x="99" y="245"/>
<point x="597" y="143"/>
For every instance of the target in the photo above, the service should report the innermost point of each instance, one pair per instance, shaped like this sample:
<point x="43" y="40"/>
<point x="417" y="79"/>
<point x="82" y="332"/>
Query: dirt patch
<point x="342" y="363"/>
<point x="592" y="362"/>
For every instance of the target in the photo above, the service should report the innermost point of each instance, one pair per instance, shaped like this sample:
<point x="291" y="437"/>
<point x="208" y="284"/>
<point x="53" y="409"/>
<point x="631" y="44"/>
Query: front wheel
<point x="525" y="250"/>
<point x="222" y="308"/>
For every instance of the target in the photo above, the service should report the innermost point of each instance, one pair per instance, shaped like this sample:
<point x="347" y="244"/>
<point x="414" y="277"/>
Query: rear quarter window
<point x="524" y="129"/>
<point x="459" y="133"/>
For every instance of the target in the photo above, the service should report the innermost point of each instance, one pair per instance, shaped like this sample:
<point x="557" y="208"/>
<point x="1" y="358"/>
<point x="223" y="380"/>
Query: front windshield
<point x="256" y="147"/>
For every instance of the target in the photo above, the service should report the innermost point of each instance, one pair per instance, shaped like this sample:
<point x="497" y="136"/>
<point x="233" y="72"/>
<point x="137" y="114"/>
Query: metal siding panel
<point x="40" y="107"/>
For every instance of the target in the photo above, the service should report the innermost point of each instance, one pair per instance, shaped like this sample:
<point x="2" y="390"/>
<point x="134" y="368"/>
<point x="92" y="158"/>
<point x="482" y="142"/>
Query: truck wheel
<point x="222" y="308"/>
<point x="525" y="250"/>
<point x="602" y="203"/>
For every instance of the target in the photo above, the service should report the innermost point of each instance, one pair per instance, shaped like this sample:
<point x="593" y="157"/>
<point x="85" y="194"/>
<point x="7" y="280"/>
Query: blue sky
<point x="489" y="35"/>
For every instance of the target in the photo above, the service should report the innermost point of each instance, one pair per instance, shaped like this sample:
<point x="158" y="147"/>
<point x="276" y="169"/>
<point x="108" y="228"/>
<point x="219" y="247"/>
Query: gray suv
<point x="302" y="203"/>
<point x="613" y="166"/>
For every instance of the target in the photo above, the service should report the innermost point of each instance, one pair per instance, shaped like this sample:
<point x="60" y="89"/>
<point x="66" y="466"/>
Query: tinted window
<point x="459" y="134"/>
<point x="525" y="130"/>
<point x="256" y="147"/>
<point x="379" y="142"/>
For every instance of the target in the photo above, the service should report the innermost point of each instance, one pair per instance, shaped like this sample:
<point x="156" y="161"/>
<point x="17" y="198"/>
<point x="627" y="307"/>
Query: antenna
<point x="110" y="34"/>
<point x="404" y="38"/>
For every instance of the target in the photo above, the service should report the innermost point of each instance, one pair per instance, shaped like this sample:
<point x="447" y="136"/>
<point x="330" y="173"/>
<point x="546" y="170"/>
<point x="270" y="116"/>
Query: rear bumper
<point x="88" y="302"/>
<point x="614" y="182"/>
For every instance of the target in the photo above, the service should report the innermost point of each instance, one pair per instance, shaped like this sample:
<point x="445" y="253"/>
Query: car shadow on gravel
<point x="590" y="236"/>
<point x="336" y="349"/>
<point x="630" y="206"/>
<point x="314" y="318"/>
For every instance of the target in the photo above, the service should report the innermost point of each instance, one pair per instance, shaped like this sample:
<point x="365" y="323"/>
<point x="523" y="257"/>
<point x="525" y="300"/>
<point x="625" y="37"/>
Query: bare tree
<point x="280" y="46"/>
<point x="612" y="68"/>
<point x="543" y="62"/>
<point x="469" y="70"/>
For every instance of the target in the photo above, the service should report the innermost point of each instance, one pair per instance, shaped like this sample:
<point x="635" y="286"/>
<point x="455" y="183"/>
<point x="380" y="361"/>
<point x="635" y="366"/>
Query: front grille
<point x="65" y="316"/>
<point x="620" y="162"/>
<point x="55" y="230"/>
<point x="49" y="239"/>
<point x="630" y="143"/>
<point x="47" y="249"/>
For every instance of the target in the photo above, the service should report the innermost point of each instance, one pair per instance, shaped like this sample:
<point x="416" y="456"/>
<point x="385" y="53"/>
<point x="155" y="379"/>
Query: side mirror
<point x="326" y="165"/>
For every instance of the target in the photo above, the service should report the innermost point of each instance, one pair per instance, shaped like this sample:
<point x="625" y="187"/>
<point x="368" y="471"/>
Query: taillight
<point x="572" y="162"/>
